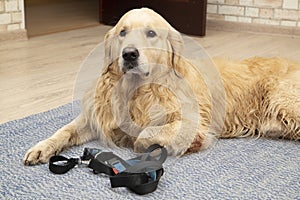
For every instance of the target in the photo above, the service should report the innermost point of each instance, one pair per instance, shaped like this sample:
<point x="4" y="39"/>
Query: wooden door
<point x="187" y="16"/>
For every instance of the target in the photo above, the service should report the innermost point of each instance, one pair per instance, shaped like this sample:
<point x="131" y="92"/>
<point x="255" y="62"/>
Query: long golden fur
<point x="166" y="100"/>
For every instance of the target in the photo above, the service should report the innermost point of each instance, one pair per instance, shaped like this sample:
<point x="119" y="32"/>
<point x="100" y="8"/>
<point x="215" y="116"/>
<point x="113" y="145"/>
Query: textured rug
<point x="232" y="169"/>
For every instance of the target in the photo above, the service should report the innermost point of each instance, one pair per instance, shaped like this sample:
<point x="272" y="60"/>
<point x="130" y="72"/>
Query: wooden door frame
<point x="187" y="16"/>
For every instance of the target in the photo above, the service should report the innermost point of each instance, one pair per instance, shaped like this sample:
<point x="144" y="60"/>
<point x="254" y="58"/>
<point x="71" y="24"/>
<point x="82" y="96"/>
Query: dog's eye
<point x="122" y="33"/>
<point x="151" y="34"/>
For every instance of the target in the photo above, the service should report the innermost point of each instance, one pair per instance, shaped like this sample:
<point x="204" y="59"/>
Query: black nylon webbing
<point x="67" y="164"/>
<point x="139" y="183"/>
<point x="135" y="177"/>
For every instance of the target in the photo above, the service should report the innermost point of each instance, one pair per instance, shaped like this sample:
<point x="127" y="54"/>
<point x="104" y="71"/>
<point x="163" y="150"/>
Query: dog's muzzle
<point x="130" y="57"/>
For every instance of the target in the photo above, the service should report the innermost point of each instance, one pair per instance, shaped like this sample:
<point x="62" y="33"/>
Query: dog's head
<point x="141" y="41"/>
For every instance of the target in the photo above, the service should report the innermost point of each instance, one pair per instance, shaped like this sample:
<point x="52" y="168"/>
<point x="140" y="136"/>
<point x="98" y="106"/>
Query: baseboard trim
<point x="13" y="35"/>
<point x="221" y="25"/>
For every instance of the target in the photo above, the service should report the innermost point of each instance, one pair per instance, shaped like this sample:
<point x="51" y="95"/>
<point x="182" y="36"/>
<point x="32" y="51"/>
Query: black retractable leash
<point x="140" y="174"/>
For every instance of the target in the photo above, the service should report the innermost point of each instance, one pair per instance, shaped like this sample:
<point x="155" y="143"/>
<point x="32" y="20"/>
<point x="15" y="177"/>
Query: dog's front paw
<point x="141" y="145"/>
<point x="146" y="138"/>
<point x="40" y="153"/>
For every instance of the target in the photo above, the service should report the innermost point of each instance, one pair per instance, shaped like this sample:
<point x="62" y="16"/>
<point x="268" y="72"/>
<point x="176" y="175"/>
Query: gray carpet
<point x="232" y="169"/>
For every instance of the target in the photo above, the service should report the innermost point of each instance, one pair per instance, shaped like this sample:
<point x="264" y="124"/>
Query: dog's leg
<point x="67" y="136"/>
<point x="282" y="117"/>
<point x="176" y="137"/>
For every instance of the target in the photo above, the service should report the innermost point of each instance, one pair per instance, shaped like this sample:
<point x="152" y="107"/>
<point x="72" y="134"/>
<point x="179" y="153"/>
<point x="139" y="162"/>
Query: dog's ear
<point x="176" y="41"/>
<point x="108" y="40"/>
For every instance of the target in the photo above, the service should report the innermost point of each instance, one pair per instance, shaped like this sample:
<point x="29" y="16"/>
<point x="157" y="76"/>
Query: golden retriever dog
<point x="149" y="93"/>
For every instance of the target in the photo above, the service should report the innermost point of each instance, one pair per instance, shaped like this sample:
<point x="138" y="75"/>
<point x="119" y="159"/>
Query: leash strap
<point x="138" y="183"/>
<point x="61" y="164"/>
<point x="140" y="174"/>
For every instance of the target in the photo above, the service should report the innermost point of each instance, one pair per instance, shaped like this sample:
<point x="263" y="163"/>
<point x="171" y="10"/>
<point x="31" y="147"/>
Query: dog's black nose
<point x="130" y="54"/>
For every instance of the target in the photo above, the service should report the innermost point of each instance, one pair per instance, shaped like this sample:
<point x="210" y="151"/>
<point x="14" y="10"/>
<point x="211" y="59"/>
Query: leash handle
<point x="61" y="164"/>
